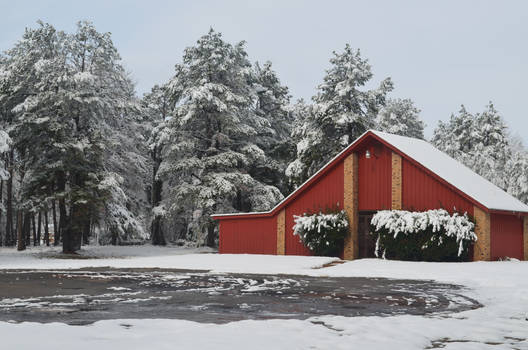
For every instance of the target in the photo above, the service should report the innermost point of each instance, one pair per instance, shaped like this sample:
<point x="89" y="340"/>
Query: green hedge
<point x="423" y="236"/>
<point x="323" y="233"/>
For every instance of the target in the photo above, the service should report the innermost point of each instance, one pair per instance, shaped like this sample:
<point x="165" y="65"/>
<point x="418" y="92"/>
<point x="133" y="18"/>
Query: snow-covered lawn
<point x="501" y="324"/>
<point x="162" y="257"/>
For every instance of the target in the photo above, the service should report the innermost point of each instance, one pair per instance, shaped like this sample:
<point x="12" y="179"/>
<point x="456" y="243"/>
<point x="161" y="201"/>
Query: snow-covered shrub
<point x="433" y="235"/>
<point x="323" y="233"/>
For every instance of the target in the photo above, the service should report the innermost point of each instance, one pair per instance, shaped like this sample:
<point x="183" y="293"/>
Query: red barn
<point x="384" y="171"/>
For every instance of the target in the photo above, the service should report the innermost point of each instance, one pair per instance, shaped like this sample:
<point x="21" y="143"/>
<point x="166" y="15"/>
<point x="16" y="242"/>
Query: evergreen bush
<point x="323" y="233"/>
<point x="434" y="235"/>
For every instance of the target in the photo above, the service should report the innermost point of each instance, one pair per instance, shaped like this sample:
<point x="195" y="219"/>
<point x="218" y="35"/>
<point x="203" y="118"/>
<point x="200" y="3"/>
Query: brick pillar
<point x="482" y="249"/>
<point x="281" y="232"/>
<point x="351" y="249"/>
<point x="396" y="188"/>
<point x="525" y="236"/>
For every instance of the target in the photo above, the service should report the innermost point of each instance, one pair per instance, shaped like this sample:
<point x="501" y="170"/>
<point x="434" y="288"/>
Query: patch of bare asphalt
<point x="88" y="295"/>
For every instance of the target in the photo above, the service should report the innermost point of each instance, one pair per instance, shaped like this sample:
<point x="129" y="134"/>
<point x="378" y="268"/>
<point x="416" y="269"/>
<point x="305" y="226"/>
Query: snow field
<point x="502" y="287"/>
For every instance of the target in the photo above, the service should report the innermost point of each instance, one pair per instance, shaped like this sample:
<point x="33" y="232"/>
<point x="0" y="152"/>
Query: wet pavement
<point x="88" y="295"/>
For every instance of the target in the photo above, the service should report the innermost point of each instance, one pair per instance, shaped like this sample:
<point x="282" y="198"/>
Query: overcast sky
<point x="441" y="54"/>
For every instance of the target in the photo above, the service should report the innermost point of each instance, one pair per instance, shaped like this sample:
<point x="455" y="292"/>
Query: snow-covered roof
<point x="454" y="172"/>
<point x="439" y="163"/>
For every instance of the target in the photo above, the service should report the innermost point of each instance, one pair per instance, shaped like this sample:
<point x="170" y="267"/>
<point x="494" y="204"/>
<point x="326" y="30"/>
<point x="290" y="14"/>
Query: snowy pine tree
<point x="516" y="174"/>
<point x="157" y="107"/>
<point x="341" y="112"/>
<point x="70" y="94"/>
<point x="479" y="141"/>
<point x="401" y="117"/>
<point x="272" y="104"/>
<point x="457" y="137"/>
<point x="212" y="138"/>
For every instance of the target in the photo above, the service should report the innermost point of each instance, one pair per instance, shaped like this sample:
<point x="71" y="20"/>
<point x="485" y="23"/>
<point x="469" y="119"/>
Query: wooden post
<point x="351" y="205"/>
<point x="396" y="187"/>
<point x="481" y="249"/>
<point x="281" y="232"/>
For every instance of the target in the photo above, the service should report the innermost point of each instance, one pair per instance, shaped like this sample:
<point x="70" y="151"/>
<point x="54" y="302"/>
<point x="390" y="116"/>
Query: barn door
<point x="366" y="242"/>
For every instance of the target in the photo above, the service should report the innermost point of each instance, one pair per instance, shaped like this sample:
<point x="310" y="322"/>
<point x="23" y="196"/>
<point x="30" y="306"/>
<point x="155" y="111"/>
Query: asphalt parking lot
<point x="88" y="295"/>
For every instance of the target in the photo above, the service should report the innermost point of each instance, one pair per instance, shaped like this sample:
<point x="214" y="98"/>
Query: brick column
<point x="396" y="188"/>
<point x="525" y="236"/>
<point x="281" y="232"/>
<point x="482" y="249"/>
<point x="351" y="249"/>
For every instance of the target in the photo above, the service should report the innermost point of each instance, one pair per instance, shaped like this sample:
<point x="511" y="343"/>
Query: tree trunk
<point x="86" y="231"/>
<point x="27" y="227"/>
<point x="114" y="235"/>
<point x="72" y="234"/>
<point x="39" y="225"/>
<point x="56" y="236"/>
<point x="10" y="236"/>
<point x="46" y="228"/>
<point x="2" y="238"/>
<point x="64" y="232"/>
<point x="33" y="224"/>
<point x="21" y="241"/>
<point x="210" y="241"/>
<point x="156" y="231"/>
<point x="63" y="217"/>
<point x="158" y="238"/>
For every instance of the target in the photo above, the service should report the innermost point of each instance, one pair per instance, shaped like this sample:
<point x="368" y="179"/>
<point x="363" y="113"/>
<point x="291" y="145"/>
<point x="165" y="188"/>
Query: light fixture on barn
<point x="367" y="154"/>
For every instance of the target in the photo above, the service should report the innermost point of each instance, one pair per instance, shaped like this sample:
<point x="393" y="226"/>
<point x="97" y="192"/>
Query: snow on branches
<point x="5" y="145"/>
<point x="322" y="233"/>
<point x="438" y="221"/>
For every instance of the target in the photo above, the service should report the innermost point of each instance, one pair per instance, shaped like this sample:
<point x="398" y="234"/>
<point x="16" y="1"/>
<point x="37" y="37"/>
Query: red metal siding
<point x="248" y="236"/>
<point x="327" y="192"/>
<point x="506" y="236"/>
<point x="374" y="176"/>
<point x="422" y="192"/>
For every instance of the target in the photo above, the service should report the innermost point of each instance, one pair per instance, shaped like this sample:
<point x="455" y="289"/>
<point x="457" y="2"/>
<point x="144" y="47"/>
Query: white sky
<point x="439" y="53"/>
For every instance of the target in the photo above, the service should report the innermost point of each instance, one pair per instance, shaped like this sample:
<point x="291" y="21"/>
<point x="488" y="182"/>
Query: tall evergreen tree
<point x="157" y="108"/>
<point x="272" y="103"/>
<point x="516" y="174"/>
<point x="401" y="117"/>
<point x="341" y="112"/>
<point x="71" y="93"/>
<point x="479" y="141"/>
<point x="212" y="137"/>
<point x="457" y="136"/>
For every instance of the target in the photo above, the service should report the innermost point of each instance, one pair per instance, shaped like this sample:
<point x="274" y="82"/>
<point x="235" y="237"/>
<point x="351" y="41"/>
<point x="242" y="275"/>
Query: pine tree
<point x="157" y="108"/>
<point x="401" y="117"/>
<point x="71" y="93"/>
<point x="341" y="112"/>
<point x="272" y="103"/>
<point x="516" y="174"/>
<point x="457" y="137"/>
<point x="212" y="138"/>
<point x="26" y="74"/>
<point x="492" y="149"/>
<point x="479" y="141"/>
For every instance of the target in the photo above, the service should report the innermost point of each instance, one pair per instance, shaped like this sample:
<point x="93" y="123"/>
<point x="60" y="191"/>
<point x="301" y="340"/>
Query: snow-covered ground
<point x="501" y="324"/>
<point x="162" y="257"/>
